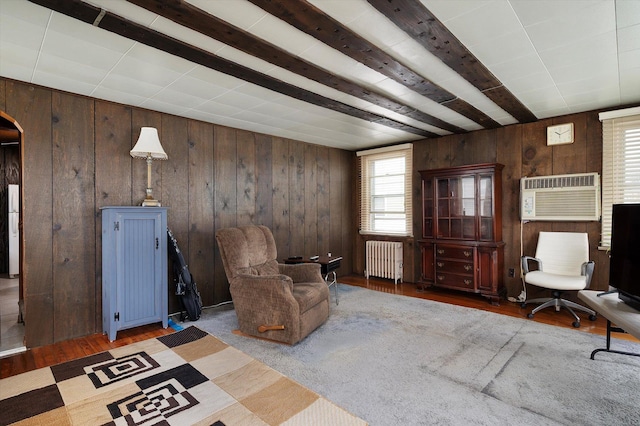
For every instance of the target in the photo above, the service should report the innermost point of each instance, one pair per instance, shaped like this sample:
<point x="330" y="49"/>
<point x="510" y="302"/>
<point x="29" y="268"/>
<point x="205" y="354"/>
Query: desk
<point x="615" y="311"/>
<point x="328" y="266"/>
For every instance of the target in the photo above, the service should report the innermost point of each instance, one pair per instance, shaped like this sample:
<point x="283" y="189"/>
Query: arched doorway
<point x="11" y="237"/>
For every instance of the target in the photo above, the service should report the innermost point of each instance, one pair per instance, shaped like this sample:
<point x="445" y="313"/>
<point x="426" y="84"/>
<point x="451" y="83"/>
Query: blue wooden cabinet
<point x="134" y="267"/>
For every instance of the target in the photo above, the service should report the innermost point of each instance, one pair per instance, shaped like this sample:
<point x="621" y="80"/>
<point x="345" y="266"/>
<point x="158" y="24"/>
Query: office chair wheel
<point x="523" y="305"/>
<point x="576" y="324"/>
<point x="529" y="315"/>
<point x="592" y="317"/>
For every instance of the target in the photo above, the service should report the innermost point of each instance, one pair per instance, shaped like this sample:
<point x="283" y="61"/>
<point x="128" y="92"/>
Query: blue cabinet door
<point x="134" y="267"/>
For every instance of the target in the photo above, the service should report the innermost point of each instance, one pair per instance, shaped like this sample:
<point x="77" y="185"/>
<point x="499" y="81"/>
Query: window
<point x="620" y="163"/>
<point x="386" y="191"/>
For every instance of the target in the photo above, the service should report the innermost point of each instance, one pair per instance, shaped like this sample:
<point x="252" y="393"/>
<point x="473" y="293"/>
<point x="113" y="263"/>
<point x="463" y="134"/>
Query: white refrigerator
<point x="14" y="230"/>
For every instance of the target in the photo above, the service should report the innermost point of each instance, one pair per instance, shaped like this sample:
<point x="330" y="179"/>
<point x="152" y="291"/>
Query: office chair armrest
<point x="587" y="270"/>
<point x="525" y="263"/>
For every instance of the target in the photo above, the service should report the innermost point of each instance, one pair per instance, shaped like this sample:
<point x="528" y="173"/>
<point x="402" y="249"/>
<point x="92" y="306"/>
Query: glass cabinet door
<point x="427" y="208"/>
<point x="456" y="207"/>
<point x="485" y="198"/>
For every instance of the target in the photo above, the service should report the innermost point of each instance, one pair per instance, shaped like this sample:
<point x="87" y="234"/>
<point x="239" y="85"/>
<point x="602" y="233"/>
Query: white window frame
<point x="367" y="159"/>
<point x="620" y="163"/>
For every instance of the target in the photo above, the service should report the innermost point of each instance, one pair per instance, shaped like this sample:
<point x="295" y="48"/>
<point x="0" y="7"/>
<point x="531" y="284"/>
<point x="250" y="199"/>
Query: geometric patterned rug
<point x="185" y="378"/>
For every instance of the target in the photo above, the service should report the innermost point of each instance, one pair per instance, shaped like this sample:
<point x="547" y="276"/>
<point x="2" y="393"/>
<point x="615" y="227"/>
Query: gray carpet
<point x="397" y="360"/>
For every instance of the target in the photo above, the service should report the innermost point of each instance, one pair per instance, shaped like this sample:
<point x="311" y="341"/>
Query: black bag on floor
<point x="185" y="285"/>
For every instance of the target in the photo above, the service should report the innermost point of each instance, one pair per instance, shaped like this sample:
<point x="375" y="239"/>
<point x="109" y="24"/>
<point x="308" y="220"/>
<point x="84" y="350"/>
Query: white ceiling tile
<point x="125" y="9"/>
<point x="124" y="83"/>
<point x="121" y="96"/>
<point x="524" y="84"/>
<point x="78" y="42"/>
<point x="197" y="87"/>
<point x="551" y="112"/>
<point x="600" y="95"/>
<point x="186" y="35"/>
<point x="22" y="29"/>
<point x="150" y="67"/>
<point x="62" y="82"/>
<point x="16" y="61"/>
<point x="172" y="94"/>
<point x="565" y="29"/>
<point x="340" y="10"/>
<point x="239" y="100"/>
<point x="493" y="20"/>
<point x="445" y="10"/>
<point x="546" y="98"/>
<point x="627" y="13"/>
<point x="281" y="34"/>
<point x="629" y="38"/>
<point x="375" y="27"/>
<point x="587" y="51"/>
<point x="168" y="106"/>
<point x="532" y="12"/>
<point x="242" y="14"/>
<point x="512" y="46"/>
<point x="216" y="78"/>
<point x="82" y="72"/>
<point x="518" y="68"/>
<point x="606" y="68"/>
<point x="217" y="108"/>
<point x="629" y="59"/>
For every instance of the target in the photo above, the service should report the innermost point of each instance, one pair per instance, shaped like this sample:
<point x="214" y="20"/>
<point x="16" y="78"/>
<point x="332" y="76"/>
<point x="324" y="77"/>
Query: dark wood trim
<point x="417" y="21"/>
<point x="190" y="16"/>
<point x="84" y="346"/>
<point x="115" y="24"/>
<point x="313" y="21"/>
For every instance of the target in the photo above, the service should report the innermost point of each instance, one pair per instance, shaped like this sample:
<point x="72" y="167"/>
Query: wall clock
<point x="560" y="134"/>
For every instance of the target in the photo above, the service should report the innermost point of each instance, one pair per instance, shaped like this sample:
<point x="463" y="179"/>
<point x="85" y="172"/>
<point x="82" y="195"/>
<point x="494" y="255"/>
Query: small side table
<point x="328" y="266"/>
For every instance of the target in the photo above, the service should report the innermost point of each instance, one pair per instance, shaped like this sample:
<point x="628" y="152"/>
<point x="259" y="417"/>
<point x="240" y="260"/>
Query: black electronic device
<point x="624" y="265"/>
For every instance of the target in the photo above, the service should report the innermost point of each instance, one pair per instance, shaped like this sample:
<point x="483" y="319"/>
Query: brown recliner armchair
<point x="272" y="300"/>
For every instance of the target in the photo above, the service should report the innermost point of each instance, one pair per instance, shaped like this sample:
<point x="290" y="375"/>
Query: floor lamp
<point x="149" y="147"/>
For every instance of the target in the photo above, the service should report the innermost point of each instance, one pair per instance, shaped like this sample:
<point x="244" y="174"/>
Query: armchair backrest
<point x="247" y="249"/>
<point x="563" y="252"/>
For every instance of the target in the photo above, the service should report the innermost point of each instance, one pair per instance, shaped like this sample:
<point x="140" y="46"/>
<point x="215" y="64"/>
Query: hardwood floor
<point x="80" y="347"/>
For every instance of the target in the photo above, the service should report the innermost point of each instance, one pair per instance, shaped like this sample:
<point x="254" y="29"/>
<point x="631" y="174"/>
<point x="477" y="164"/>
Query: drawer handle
<point x="440" y="264"/>
<point x="440" y="277"/>
<point x="467" y="282"/>
<point x="440" y="251"/>
<point x="468" y="267"/>
<point x="467" y="253"/>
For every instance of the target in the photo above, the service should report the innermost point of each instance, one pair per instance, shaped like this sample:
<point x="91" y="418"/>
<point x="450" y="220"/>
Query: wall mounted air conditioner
<point x="574" y="197"/>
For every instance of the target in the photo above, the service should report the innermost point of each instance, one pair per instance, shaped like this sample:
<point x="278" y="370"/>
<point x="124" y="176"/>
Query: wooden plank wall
<point x="523" y="150"/>
<point x="76" y="160"/>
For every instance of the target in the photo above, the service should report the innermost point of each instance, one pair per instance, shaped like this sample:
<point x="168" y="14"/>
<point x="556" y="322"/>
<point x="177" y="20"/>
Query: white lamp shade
<point x="148" y="145"/>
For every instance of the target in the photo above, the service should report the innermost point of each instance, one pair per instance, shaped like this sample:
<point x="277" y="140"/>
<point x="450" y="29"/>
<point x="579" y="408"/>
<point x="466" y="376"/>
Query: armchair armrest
<point x="301" y="272"/>
<point x="587" y="270"/>
<point x="525" y="263"/>
<point x="268" y="286"/>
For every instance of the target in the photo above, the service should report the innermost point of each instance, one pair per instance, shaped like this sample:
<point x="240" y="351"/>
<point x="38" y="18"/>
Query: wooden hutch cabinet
<point x="461" y="243"/>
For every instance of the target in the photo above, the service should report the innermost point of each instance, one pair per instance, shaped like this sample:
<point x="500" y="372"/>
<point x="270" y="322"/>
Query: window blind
<point x="620" y="163"/>
<point x="386" y="202"/>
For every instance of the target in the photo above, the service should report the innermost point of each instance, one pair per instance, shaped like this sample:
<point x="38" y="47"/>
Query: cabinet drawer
<point x="454" y="280"/>
<point x="454" y="252"/>
<point x="455" y="266"/>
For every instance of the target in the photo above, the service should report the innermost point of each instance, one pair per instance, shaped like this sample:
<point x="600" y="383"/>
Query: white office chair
<point x="563" y="264"/>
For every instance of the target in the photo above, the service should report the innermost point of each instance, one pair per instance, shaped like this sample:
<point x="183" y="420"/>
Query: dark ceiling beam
<point x="416" y="20"/>
<point x="198" y="20"/>
<point x="313" y="21"/>
<point x="118" y="25"/>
